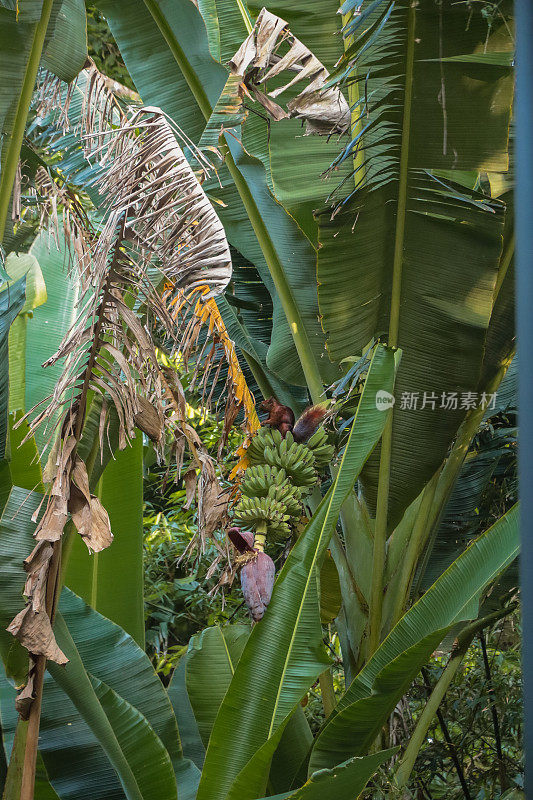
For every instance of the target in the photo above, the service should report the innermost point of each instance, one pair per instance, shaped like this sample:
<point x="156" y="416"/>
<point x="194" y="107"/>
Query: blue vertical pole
<point x="524" y="266"/>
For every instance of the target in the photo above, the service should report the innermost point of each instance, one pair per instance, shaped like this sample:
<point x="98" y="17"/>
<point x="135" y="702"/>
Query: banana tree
<point x="110" y="701"/>
<point x="413" y="253"/>
<point x="408" y="253"/>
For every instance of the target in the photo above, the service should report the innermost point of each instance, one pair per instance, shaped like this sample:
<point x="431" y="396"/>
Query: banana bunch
<point x="296" y="459"/>
<point x="258" y="480"/>
<point x="265" y="514"/>
<point x="322" y="451"/>
<point x="282" y="471"/>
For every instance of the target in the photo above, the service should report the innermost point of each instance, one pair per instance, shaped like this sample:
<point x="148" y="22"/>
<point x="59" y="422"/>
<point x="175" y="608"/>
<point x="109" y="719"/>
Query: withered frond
<point x="195" y="313"/>
<point x="63" y="213"/>
<point x="104" y="102"/>
<point x="109" y="350"/>
<point x="170" y="219"/>
<point x="157" y="221"/>
<point x="272" y="49"/>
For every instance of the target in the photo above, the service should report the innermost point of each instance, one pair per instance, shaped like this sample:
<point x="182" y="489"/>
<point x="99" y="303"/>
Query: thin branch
<point x="462" y="643"/>
<point x="494" y="712"/>
<point x="451" y="746"/>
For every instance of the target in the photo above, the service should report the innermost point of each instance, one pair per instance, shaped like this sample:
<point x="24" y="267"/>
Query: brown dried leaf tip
<point x="88" y="514"/>
<point x="260" y="58"/>
<point x="69" y="493"/>
<point x="32" y="625"/>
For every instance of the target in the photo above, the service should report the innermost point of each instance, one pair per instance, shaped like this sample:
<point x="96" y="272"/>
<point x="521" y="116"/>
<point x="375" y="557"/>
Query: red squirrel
<point x="282" y="418"/>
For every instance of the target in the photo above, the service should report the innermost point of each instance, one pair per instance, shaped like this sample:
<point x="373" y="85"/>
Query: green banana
<point x="281" y="472"/>
<point x="254" y="510"/>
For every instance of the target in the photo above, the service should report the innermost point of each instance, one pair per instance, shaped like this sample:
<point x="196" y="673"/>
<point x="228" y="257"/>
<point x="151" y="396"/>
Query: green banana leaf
<point x="111" y="582"/>
<point x="441" y="241"/>
<point x="191" y="740"/>
<point x="340" y="783"/>
<point x="210" y="663"/>
<point x="330" y="590"/>
<point x="72" y="753"/>
<point x="256" y="351"/>
<point x="53" y="34"/>
<point x="65" y="53"/>
<point x="493" y="455"/>
<point x="503" y="312"/>
<point x="284" y="654"/>
<point x="211" y="660"/>
<point x="289" y="762"/>
<point x="16" y="266"/>
<point x="24" y="464"/>
<point x="49" y="324"/>
<point x="137" y="755"/>
<point x="453" y="598"/>
<point x="294" y="181"/>
<point x="12" y="300"/>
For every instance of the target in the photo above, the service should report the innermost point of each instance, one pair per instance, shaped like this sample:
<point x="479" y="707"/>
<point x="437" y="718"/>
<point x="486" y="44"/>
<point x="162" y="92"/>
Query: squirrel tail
<point x="309" y="421"/>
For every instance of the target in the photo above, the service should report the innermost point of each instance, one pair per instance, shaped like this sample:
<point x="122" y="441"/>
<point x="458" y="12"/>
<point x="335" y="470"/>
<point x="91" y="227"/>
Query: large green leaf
<point x="112" y="581"/>
<point x="135" y="752"/>
<point x="65" y="52"/>
<point x="211" y="660"/>
<point x="414" y="256"/>
<point x="11" y="302"/>
<point x="294" y="181"/>
<point x="108" y="655"/>
<point x="454" y="597"/>
<point x="200" y="683"/>
<point x="18" y="265"/>
<point x="343" y="782"/>
<point x="49" y="324"/>
<point x="284" y="653"/>
<point x="288" y="765"/>
<point x="191" y="740"/>
<point x="24" y="464"/>
<point x="53" y="33"/>
<point x="240" y="327"/>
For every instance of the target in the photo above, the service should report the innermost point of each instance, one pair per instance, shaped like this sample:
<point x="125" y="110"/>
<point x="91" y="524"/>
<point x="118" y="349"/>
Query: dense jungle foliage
<point x="258" y="401"/>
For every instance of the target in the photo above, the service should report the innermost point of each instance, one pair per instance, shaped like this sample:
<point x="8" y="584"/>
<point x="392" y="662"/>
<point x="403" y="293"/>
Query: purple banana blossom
<point x="257" y="573"/>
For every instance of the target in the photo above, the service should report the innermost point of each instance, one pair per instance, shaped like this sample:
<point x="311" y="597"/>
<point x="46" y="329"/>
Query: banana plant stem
<point x="325" y="680"/>
<point x="415" y="546"/>
<point x="32" y="738"/>
<point x="61" y="552"/>
<point x="382" y="507"/>
<point x="21" y="114"/>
